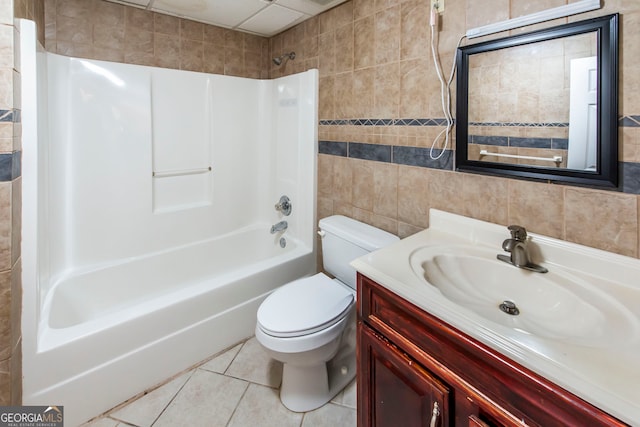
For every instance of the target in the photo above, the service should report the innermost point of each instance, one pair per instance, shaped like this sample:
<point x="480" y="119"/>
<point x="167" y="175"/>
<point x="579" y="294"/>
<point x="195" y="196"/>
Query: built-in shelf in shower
<point x="181" y="142"/>
<point x="183" y="189"/>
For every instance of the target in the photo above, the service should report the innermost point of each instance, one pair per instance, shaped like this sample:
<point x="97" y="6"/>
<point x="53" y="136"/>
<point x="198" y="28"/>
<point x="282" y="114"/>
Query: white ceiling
<point x="262" y="17"/>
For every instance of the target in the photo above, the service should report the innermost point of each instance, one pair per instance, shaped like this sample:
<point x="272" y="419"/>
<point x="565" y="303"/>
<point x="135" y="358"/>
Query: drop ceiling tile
<point x="310" y="7"/>
<point x="263" y="17"/>
<point x="226" y="13"/>
<point x="272" y="20"/>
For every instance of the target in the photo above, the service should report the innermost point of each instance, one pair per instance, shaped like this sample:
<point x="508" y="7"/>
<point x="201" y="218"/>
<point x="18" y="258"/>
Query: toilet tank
<point x="345" y="239"/>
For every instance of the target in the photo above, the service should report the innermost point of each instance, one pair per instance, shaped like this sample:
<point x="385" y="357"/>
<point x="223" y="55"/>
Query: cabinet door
<point x="393" y="390"/>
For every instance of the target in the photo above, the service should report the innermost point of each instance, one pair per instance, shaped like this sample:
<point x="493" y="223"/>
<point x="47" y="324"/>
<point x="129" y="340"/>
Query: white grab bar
<point x="555" y="159"/>
<point x="164" y="174"/>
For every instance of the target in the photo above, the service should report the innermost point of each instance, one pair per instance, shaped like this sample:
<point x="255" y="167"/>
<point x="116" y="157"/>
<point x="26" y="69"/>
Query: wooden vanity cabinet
<point x="415" y="370"/>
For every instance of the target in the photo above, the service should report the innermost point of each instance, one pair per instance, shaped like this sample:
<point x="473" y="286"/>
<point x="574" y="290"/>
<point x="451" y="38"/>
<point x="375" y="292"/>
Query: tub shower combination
<point x="149" y="228"/>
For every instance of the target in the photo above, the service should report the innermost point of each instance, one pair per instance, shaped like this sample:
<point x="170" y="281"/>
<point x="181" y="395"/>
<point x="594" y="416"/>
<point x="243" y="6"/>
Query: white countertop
<point x="607" y="376"/>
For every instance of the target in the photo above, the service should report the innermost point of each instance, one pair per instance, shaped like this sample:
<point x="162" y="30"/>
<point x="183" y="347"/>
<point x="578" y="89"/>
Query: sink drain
<point x="509" y="307"/>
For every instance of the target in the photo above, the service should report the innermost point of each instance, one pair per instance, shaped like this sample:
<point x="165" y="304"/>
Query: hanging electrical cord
<point x="445" y="89"/>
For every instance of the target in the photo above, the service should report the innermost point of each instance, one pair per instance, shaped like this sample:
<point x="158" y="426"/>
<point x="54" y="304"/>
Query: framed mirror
<point x="542" y="105"/>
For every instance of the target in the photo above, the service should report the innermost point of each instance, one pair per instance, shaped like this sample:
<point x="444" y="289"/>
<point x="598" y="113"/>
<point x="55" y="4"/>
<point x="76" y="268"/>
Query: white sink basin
<point x="554" y="305"/>
<point x="578" y="325"/>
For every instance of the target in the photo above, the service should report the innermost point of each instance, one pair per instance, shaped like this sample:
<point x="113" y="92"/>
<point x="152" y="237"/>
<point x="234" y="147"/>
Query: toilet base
<point x="309" y="387"/>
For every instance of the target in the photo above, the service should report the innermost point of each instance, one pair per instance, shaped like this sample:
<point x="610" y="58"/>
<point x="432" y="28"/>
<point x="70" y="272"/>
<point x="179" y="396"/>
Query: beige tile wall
<point x="374" y="61"/>
<point x="98" y="29"/>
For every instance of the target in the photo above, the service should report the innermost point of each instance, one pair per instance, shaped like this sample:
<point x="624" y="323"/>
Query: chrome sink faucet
<point x="517" y="247"/>
<point x="281" y="226"/>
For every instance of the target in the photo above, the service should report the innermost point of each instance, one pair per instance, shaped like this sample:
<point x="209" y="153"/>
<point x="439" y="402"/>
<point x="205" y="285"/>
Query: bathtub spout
<point x="281" y="226"/>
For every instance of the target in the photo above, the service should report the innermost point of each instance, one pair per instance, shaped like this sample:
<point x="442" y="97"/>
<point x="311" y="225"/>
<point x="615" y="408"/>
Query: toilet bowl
<point x="309" y="324"/>
<point x="302" y="325"/>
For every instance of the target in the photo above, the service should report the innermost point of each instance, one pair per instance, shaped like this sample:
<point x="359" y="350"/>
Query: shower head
<point x="287" y="56"/>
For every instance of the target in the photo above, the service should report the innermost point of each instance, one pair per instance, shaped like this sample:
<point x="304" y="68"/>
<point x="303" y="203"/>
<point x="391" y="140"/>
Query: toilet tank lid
<point x="364" y="235"/>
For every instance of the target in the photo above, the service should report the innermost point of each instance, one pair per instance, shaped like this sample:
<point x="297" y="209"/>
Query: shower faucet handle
<point x="284" y="206"/>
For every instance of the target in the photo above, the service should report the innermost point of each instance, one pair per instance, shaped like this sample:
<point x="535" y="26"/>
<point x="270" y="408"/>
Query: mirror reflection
<point x="535" y="104"/>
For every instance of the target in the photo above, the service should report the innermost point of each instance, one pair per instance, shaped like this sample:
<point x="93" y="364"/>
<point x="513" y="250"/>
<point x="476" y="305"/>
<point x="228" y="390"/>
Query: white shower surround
<point x="129" y="278"/>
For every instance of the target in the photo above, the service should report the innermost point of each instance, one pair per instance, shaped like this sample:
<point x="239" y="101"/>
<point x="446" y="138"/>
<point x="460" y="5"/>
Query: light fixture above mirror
<point x="535" y="18"/>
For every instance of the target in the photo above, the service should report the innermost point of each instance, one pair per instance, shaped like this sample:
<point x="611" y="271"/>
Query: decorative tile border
<point x="630" y="177"/>
<point x="10" y="116"/>
<point x="10" y="166"/>
<point x="411" y="156"/>
<point x="333" y="148"/>
<point x="629" y="121"/>
<point x="375" y="152"/>
<point x="384" y="122"/>
<point x="521" y="124"/>
<point x="419" y="156"/>
<point x="10" y="163"/>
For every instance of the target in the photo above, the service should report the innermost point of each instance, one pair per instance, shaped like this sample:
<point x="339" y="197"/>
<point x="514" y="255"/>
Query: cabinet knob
<point x="434" y="415"/>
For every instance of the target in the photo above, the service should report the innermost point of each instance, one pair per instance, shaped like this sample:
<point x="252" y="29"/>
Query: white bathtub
<point x="147" y="201"/>
<point x="208" y="277"/>
<point x="127" y="322"/>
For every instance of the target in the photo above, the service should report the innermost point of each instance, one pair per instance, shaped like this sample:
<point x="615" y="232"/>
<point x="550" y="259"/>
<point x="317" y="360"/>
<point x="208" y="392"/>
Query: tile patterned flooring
<point x="237" y="388"/>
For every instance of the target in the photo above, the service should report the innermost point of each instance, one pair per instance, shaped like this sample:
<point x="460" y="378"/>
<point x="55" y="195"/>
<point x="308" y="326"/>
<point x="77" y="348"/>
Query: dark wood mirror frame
<point x="606" y="175"/>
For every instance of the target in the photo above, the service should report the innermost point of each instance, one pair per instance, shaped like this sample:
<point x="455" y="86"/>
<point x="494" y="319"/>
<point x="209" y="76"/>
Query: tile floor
<point x="238" y="388"/>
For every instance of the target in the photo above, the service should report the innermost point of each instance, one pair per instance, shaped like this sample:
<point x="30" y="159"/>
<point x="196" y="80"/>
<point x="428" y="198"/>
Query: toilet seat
<point x="304" y="306"/>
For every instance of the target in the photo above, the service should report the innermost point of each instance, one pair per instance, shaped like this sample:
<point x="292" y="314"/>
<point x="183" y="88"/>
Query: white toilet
<point x="309" y="324"/>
